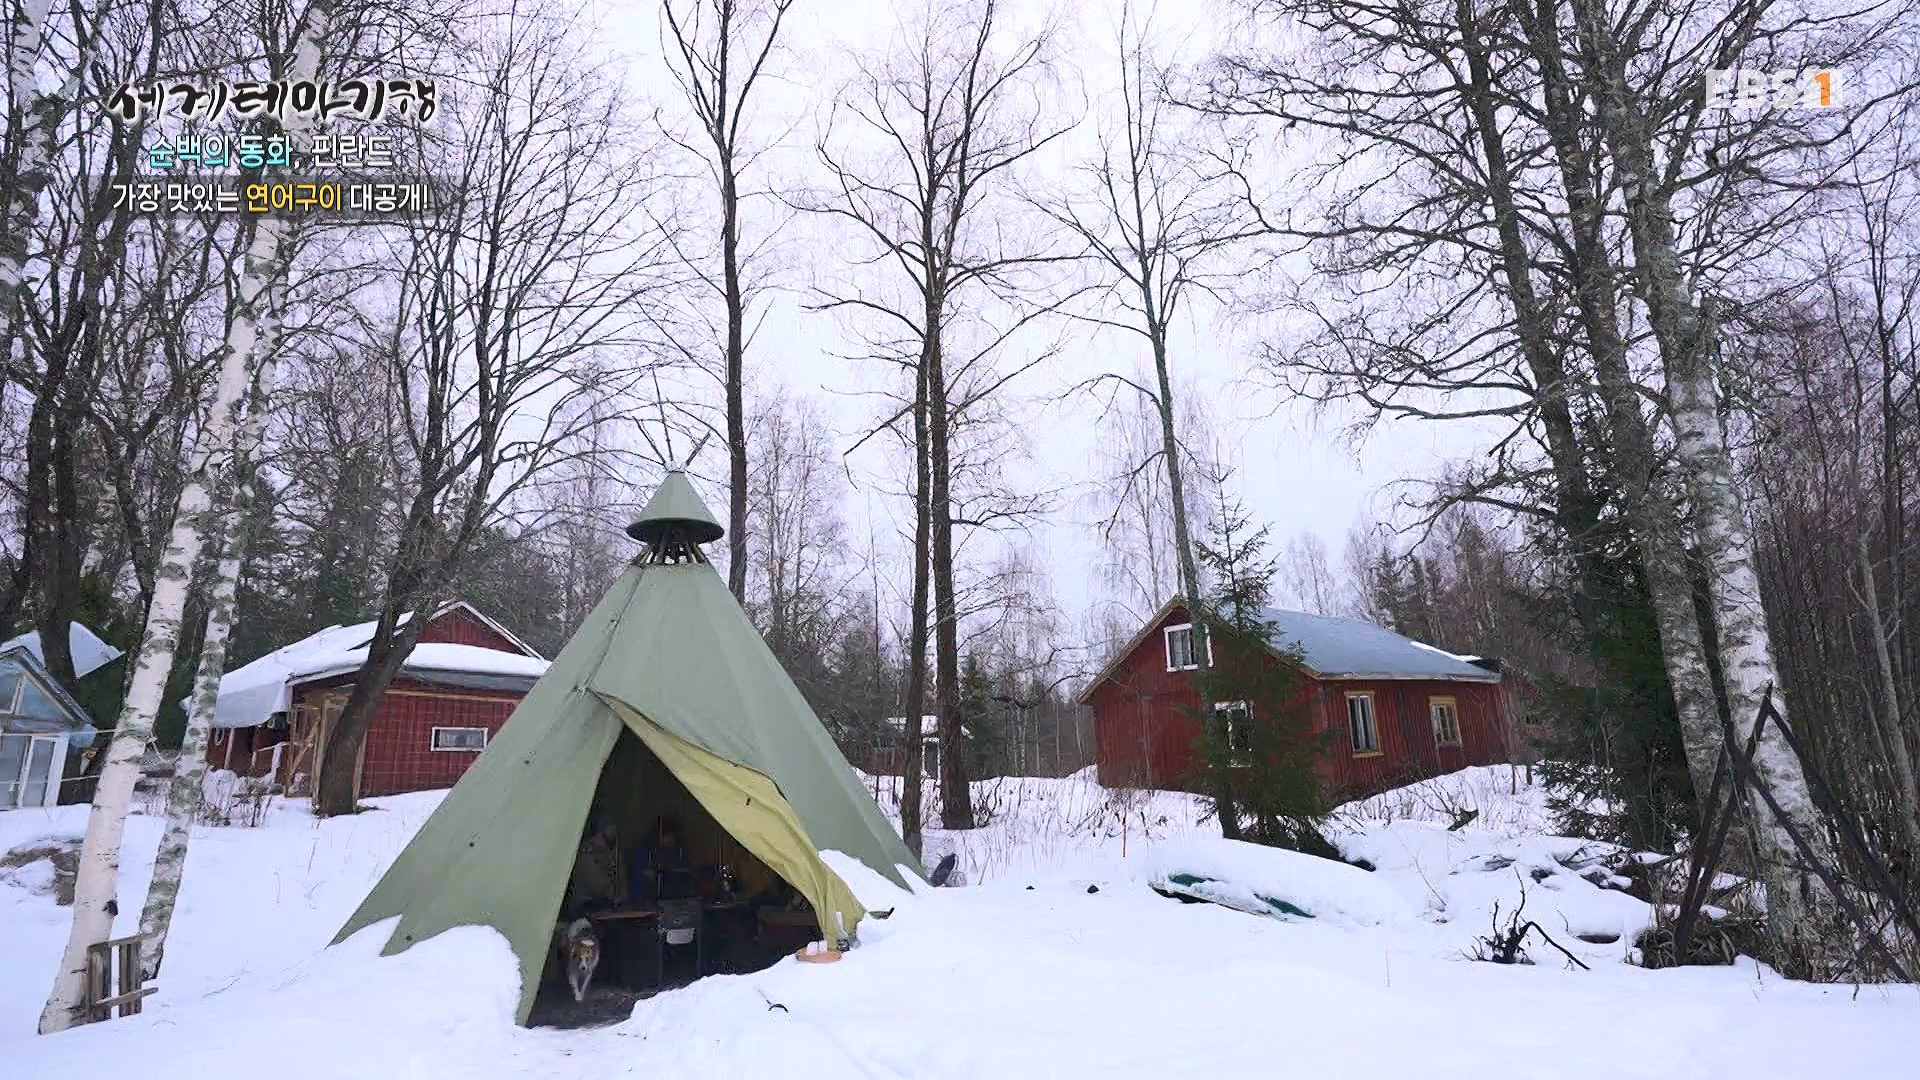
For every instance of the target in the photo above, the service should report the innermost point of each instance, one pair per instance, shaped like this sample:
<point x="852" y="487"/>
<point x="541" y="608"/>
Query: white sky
<point x="1295" y="470"/>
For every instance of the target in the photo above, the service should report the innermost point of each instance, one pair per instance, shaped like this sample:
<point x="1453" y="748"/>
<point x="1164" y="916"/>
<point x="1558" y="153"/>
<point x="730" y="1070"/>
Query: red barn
<point x="1395" y="710"/>
<point x="462" y="680"/>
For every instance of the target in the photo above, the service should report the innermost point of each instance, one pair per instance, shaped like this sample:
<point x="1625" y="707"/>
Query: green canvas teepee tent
<point x="669" y="656"/>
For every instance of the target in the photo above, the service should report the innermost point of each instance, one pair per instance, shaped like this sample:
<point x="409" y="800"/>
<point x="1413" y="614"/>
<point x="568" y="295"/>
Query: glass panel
<point x="9" y="682"/>
<point x="1180" y="648"/>
<point x="459" y="738"/>
<point x="1360" y="720"/>
<point x="39" y="764"/>
<point x="1239" y="722"/>
<point x="13" y="756"/>
<point x="35" y="702"/>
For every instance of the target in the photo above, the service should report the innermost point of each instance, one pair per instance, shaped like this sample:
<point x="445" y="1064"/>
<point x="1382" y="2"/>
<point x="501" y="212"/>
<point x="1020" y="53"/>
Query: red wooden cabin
<point x="462" y="681"/>
<point x="1393" y="709"/>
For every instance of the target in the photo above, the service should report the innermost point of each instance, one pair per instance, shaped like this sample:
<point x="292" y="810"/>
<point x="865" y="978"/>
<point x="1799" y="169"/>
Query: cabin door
<point x="313" y="725"/>
<point x="320" y="718"/>
<point x="294" y="761"/>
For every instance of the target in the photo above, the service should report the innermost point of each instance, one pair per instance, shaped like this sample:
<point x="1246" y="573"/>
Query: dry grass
<point x="1498" y="798"/>
<point x="1030" y="823"/>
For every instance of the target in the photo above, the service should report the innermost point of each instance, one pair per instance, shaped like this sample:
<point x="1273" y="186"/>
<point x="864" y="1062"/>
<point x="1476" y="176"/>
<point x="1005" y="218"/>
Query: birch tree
<point x="95" y="886"/>
<point x="717" y="51"/>
<point x="1134" y="521"/>
<point x="185" y="789"/>
<point x="1799" y="911"/>
<point x="1154" y="216"/>
<point x="955" y="113"/>
<point x="1432" y="296"/>
<point x="1529" y="120"/>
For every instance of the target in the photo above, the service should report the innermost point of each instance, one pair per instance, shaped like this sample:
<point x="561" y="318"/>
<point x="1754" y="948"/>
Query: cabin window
<point x="22" y="695"/>
<point x="35" y="703"/>
<point x="1366" y="739"/>
<point x="1180" y="651"/>
<point x="1446" y="720"/>
<point x="459" y="738"/>
<point x="1238" y="718"/>
<point x="27" y="769"/>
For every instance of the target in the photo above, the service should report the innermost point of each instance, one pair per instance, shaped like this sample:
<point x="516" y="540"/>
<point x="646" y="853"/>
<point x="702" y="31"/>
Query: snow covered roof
<point x="253" y="693"/>
<point x="54" y="710"/>
<point x="1336" y="648"/>
<point x="89" y="652"/>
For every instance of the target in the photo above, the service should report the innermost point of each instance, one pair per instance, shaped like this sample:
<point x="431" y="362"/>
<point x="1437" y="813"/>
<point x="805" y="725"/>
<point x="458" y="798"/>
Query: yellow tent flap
<point x="749" y="806"/>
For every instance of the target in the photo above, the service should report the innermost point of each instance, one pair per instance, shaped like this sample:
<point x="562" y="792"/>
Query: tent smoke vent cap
<point x="675" y="522"/>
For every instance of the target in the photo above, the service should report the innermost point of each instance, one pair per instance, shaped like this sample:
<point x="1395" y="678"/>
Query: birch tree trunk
<point x="95" y="900"/>
<point x="1221" y="783"/>
<point x="1656" y="528"/>
<point x="185" y="792"/>
<point x="1795" y="900"/>
<point x="1799" y="912"/>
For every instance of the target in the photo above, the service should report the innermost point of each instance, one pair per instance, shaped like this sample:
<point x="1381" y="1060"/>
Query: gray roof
<point x="1350" y="648"/>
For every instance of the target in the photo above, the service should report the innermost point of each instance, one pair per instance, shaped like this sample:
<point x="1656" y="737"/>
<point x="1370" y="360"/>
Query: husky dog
<point x="581" y="950"/>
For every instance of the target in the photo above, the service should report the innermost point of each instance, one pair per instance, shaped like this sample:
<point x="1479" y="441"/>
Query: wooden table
<point x="778" y="928"/>
<point x="622" y="916"/>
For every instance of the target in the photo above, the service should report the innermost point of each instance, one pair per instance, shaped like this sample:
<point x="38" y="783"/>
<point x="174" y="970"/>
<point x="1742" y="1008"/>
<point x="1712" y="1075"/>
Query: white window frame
<point x="1372" y="725"/>
<point x="1166" y="639"/>
<point x="1452" y="707"/>
<point x="1236" y="755"/>
<point x="56" y="768"/>
<point x="433" y="741"/>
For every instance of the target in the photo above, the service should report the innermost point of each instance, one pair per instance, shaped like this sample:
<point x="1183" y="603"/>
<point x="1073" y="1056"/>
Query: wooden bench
<point x="113" y="979"/>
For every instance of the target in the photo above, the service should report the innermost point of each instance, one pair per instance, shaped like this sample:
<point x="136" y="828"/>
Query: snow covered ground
<point x="1058" y="960"/>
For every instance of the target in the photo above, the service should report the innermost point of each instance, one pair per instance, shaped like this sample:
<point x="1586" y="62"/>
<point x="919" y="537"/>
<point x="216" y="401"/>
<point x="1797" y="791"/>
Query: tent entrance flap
<point x="749" y="806"/>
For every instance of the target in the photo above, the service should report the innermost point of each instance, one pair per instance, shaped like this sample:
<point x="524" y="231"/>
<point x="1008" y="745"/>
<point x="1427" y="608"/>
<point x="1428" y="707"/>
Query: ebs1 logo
<point x="1751" y="88"/>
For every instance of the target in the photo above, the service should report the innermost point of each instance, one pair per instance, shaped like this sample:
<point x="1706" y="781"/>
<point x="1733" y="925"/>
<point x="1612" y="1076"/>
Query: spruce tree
<point x="1260" y="746"/>
<point x="981" y="736"/>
